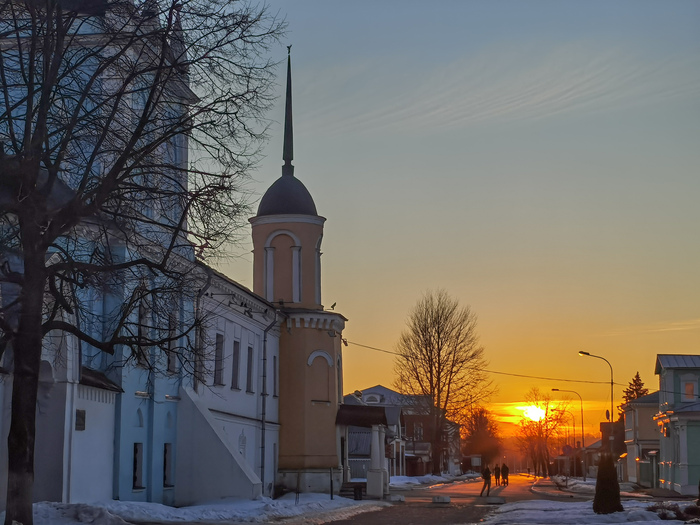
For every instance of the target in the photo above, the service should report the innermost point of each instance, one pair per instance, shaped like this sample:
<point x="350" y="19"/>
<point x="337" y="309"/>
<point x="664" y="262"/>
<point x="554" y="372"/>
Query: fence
<point x="358" y="467"/>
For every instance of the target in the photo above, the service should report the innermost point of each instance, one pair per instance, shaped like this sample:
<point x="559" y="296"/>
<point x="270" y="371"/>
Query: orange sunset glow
<point x="538" y="212"/>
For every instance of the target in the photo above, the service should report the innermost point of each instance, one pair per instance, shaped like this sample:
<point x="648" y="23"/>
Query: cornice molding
<point x="319" y="320"/>
<point x="281" y="219"/>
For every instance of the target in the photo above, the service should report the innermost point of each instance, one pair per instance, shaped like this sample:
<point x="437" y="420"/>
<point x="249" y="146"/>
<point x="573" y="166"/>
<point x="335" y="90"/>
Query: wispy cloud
<point x="671" y="326"/>
<point x="495" y="85"/>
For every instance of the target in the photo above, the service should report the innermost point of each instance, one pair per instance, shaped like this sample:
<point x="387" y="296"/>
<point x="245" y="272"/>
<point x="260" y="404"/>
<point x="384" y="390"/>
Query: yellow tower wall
<point x="286" y="255"/>
<point x="310" y="358"/>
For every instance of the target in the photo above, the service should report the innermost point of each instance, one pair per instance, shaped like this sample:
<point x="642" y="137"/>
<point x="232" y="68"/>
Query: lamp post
<point x="583" y="439"/>
<point x="582" y="353"/>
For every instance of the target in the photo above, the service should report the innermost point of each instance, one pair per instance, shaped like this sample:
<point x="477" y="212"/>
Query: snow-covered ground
<point x="536" y="512"/>
<point x="407" y="482"/>
<point x="588" y="486"/>
<point x="540" y="512"/>
<point x="264" y="509"/>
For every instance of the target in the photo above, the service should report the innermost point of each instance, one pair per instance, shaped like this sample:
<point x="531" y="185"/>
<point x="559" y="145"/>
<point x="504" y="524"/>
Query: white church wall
<point x="209" y="466"/>
<point x="243" y="395"/>
<point x="92" y="447"/>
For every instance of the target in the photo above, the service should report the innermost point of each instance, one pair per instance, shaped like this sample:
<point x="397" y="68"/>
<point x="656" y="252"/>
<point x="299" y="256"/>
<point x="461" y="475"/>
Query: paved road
<point x="518" y="489"/>
<point x="466" y="506"/>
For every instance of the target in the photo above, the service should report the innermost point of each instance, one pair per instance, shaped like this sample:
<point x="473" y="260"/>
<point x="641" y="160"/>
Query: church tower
<point x="287" y="233"/>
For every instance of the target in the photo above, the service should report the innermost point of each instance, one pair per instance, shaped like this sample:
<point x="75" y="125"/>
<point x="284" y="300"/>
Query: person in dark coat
<point x="504" y="474"/>
<point x="486" y="474"/>
<point x="497" y="474"/>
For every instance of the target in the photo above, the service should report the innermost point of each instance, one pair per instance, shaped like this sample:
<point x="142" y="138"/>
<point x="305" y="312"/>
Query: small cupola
<point x="287" y="233"/>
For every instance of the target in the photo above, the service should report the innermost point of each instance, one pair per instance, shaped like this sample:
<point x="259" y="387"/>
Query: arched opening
<point x="283" y="267"/>
<point x="320" y="376"/>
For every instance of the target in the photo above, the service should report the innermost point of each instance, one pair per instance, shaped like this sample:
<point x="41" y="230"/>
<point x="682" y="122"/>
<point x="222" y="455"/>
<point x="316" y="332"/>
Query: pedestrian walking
<point x="504" y="474"/>
<point x="486" y="474"/>
<point x="497" y="474"/>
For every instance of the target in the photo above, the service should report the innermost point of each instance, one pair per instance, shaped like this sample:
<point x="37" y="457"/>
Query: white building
<point x="228" y="424"/>
<point x="75" y="426"/>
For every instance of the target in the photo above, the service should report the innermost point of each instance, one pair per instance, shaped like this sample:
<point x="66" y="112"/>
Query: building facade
<point x="641" y="438"/>
<point x="678" y="422"/>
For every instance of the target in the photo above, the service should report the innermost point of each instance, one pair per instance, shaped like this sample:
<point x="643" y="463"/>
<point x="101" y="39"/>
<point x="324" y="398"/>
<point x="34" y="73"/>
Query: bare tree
<point x="537" y="430"/>
<point x="439" y="356"/>
<point x="127" y="130"/>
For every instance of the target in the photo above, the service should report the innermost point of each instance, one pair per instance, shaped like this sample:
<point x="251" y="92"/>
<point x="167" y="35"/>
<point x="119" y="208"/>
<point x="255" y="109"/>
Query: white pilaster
<point x="269" y="272"/>
<point x="296" y="274"/>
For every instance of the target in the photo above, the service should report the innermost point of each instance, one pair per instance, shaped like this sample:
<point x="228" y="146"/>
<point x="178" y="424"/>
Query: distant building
<point x="641" y="438"/>
<point x="678" y="421"/>
<point x="419" y="427"/>
<point x="359" y="437"/>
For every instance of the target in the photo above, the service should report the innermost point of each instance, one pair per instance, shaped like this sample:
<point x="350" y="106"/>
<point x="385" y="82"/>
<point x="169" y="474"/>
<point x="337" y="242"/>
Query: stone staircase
<point x="353" y="489"/>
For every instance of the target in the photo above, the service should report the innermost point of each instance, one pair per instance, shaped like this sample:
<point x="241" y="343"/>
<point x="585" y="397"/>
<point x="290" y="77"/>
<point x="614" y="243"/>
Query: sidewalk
<point x="556" y="487"/>
<point x="547" y="487"/>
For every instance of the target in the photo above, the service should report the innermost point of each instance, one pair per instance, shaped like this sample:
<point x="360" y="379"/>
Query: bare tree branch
<point x="439" y="356"/>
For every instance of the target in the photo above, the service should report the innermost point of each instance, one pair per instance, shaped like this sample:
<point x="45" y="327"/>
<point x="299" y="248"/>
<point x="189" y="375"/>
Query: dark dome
<point x="287" y="196"/>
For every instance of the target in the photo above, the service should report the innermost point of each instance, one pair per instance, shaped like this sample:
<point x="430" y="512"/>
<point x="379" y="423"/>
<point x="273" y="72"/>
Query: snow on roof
<point x="676" y="361"/>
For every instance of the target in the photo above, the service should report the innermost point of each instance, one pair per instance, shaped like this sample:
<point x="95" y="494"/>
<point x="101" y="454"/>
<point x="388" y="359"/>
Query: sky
<point x="538" y="160"/>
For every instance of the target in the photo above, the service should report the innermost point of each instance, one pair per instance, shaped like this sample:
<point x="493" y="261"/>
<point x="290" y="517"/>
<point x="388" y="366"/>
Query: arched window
<point x="282" y="267"/>
<point x="319" y="383"/>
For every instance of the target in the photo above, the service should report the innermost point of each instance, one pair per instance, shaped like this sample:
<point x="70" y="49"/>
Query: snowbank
<point x="588" y="487"/>
<point x="407" y="482"/>
<point x="260" y="510"/>
<point x="540" y="512"/>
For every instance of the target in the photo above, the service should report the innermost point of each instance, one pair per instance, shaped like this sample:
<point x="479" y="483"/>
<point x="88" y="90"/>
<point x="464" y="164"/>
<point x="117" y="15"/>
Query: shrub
<point x="667" y="511"/>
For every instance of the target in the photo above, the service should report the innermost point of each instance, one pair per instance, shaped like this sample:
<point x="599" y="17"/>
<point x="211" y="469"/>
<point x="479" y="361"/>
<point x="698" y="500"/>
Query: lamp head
<point x="581" y="352"/>
<point x="555" y="390"/>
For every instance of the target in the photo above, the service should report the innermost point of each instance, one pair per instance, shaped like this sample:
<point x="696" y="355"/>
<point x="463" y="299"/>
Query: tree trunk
<point x="25" y="384"/>
<point x="437" y="444"/>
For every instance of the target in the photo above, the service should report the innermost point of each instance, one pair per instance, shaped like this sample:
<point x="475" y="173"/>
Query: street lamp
<point x="582" y="353"/>
<point x="583" y="439"/>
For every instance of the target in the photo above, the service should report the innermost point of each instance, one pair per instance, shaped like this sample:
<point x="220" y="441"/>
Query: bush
<point x="607" y="489"/>
<point x="667" y="511"/>
<point x="692" y="510"/>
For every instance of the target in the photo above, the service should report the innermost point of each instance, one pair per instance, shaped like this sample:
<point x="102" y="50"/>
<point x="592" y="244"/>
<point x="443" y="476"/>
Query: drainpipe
<point x="263" y="412"/>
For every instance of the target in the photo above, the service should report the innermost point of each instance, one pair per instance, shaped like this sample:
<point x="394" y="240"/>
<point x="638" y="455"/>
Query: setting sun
<point x="533" y="412"/>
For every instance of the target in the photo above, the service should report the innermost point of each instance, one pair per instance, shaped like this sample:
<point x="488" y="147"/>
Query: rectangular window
<point x="138" y="466"/>
<point x="274" y="375"/>
<point x="219" y="360"/>
<point x="172" y="352"/>
<point x="168" y="465"/>
<point x="198" y="357"/>
<point x="79" y="419"/>
<point x="249" y="374"/>
<point x="143" y="333"/>
<point x="418" y="431"/>
<point x="689" y="391"/>
<point x="235" y="385"/>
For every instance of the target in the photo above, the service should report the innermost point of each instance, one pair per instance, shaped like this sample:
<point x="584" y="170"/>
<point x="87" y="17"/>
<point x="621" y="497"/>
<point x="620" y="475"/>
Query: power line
<point x="499" y="372"/>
